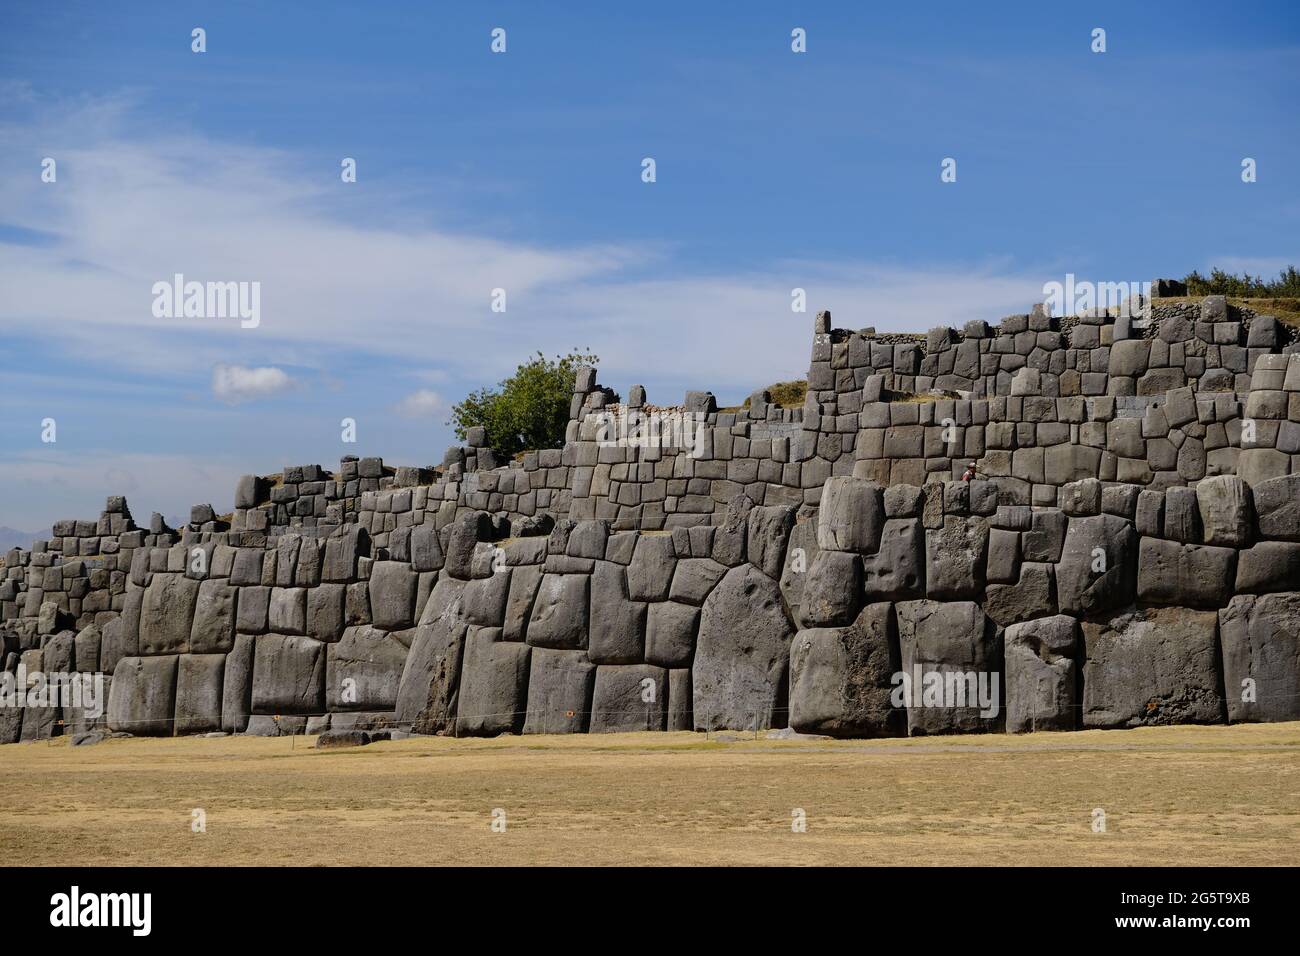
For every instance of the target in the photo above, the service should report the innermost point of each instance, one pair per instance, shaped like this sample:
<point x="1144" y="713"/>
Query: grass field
<point x="1171" y="795"/>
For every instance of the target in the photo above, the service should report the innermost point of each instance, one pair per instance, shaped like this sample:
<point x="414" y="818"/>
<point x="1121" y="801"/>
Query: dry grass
<point x="1284" y="309"/>
<point x="1172" y="795"/>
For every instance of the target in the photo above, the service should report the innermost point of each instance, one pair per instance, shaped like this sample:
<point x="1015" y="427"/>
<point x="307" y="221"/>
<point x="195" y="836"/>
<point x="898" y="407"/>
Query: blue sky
<point x="522" y="170"/>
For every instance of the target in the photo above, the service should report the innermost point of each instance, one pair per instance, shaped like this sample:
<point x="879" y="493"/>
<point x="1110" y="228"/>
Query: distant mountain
<point x="13" y="538"/>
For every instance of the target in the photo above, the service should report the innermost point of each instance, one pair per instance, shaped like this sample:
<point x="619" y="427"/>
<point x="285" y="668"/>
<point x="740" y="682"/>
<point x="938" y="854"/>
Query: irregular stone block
<point x="897" y="571"/>
<point x="1227" y="515"/>
<point x="694" y="579"/>
<point x="670" y="634"/>
<point x="851" y="515"/>
<point x="493" y="685"/>
<point x="213" y="631"/>
<point x="679" y="700"/>
<point x="768" y="531"/>
<point x="199" y="682"/>
<point x="1190" y="575"/>
<point x="841" y="679"/>
<point x="559" y="618"/>
<point x="142" y="699"/>
<point x="833" y="592"/>
<point x="287" y="612"/>
<point x="1261" y="657"/>
<point x="1268" y="566"/>
<point x="428" y="692"/>
<point x="559" y="692"/>
<point x="651" y="572"/>
<point x="617" y="628"/>
<point x="630" y="697"/>
<point x="955" y="557"/>
<point x="524" y="583"/>
<point x="951" y="656"/>
<point x="237" y="686"/>
<point x="1097" y="570"/>
<point x="1041" y="676"/>
<point x="363" y="670"/>
<point x="288" y="675"/>
<point x="167" y="614"/>
<point x="325" y="606"/>
<point x="1033" y="595"/>
<point x="1158" y="666"/>
<point x="1277" y="504"/>
<point x="741" y="654"/>
<point x="392" y="595"/>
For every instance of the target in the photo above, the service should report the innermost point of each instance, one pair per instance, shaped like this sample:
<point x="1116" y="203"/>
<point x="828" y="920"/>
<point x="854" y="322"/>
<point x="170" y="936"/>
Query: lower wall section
<point x="907" y="610"/>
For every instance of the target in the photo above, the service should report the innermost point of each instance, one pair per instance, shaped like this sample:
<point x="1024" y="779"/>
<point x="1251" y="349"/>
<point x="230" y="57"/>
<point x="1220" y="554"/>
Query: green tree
<point x="1244" y="286"/>
<point x="528" y="410"/>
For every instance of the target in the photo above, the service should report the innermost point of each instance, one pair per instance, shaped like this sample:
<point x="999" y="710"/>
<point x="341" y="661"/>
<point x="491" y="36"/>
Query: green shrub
<point x="528" y="410"/>
<point x="1244" y="286"/>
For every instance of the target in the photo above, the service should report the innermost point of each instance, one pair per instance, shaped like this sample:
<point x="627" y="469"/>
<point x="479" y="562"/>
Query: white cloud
<point x="424" y="403"/>
<point x="235" y="383"/>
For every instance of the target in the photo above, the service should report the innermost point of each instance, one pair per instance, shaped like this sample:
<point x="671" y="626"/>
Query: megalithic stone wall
<point x="1127" y="552"/>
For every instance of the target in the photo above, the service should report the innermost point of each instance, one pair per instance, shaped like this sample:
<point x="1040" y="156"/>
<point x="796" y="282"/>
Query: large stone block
<point x="842" y="678"/>
<point x="897" y="571"/>
<point x="484" y="601"/>
<point x="493" y="685"/>
<point x="167" y="614"/>
<point x="617" y="628"/>
<point x="1158" y="666"/>
<point x="1097" y="567"/>
<point x="742" y="653"/>
<point x="650" y="574"/>
<point x="199" y="682"/>
<point x="1277" y="504"/>
<point x="1268" y="566"/>
<point x="1261" y="657"/>
<point x="237" y="686"/>
<point x="213" y="631"/>
<point x="288" y="675"/>
<point x="952" y="662"/>
<point x="559" y="618"/>
<point x="1227" y="514"/>
<point x="955" y="557"/>
<point x="1033" y="595"/>
<point x="325" y="604"/>
<point x="142" y="699"/>
<point x="559" y="692"/>
<point x="1041" y="674"/>
<point x="833" y="592"/>
<point x="363" y="670"/>
<point x="768" y="531"/>
<point x="1189" y="575"/>
<point x="629" y="697"/>
<point x="392" y="595"/>
<point x="670" y="633"/>
<point x="851" y="515"/>
<point x="524" y="583"/>
<point x="428" y="692"/>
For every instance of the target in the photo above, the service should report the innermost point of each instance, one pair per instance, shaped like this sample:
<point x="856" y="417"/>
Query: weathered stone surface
<point x="428" y="692"/>
<point x="287" y="612"/>
<point x="524" y="583"/>
<point x="167" y="614"/>
<point x="484" y="601"/>
<point x="1157" y="666"/>
<point x="237" y="686"/>
<point x="768" y="531"/>
<point x="1033" y="595"/>
<point x="392" y="595"/>
<point x="1097" y="569"/>
<point x="679" y="700"/>
<point x="841" y="678"/>
<point x="142" y="699"/>
<point x="851" y="515"/>
<point x="650" y="574"/>
<point x="670" y="633"/>
<point x="288" y="675"/>
<point x="953" y="638"/>
<point x="629" y="697"/>
<point x="559" y="618"/>
<point x="897" y="571"/>
<point x="799" y="555"/>
<point x="694" y="579"/>
<point x="213" y="631"/>
<point x="1261" y="657"/>
<point x="1189" y="575"/>
<point x="363" y="670"/>
<point x="325" y="606"/>
<point x="493" y="685"/>
<point x="199" y="682"/>
<point x="742" y="653"/>
<point x="618" y="625"/>
<point x="1277" y="504"/>
<point x="833" y="593"/>
<point x="955" y="557"/>
<point x="1041" y="674"/>
<point x="1227" y="514"/>
<point x="559" y="692"/>
<point x="1268" y="566"/>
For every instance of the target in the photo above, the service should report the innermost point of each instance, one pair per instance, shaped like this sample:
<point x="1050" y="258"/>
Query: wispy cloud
<point x="424" y="403"/>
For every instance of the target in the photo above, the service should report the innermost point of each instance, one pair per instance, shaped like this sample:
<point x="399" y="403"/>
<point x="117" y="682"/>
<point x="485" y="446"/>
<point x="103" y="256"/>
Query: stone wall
<point x="1127" y="552"/>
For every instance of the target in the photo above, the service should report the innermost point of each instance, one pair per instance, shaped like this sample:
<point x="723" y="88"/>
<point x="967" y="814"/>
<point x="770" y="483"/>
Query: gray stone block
<point x="559" y="692"/>
<point x="1041" y="674"/>
<point x="841" y="679"/>
<point x="142" y="699"/>
<point x="288" y="675"/>
<point x="199" y="683"/>
<point x="629" y="697"/>
<point x="493" y="685"/>
<point x="363" y="670"/>
<point x="1188" y="575"/>
<point x="1260" y="637"/>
